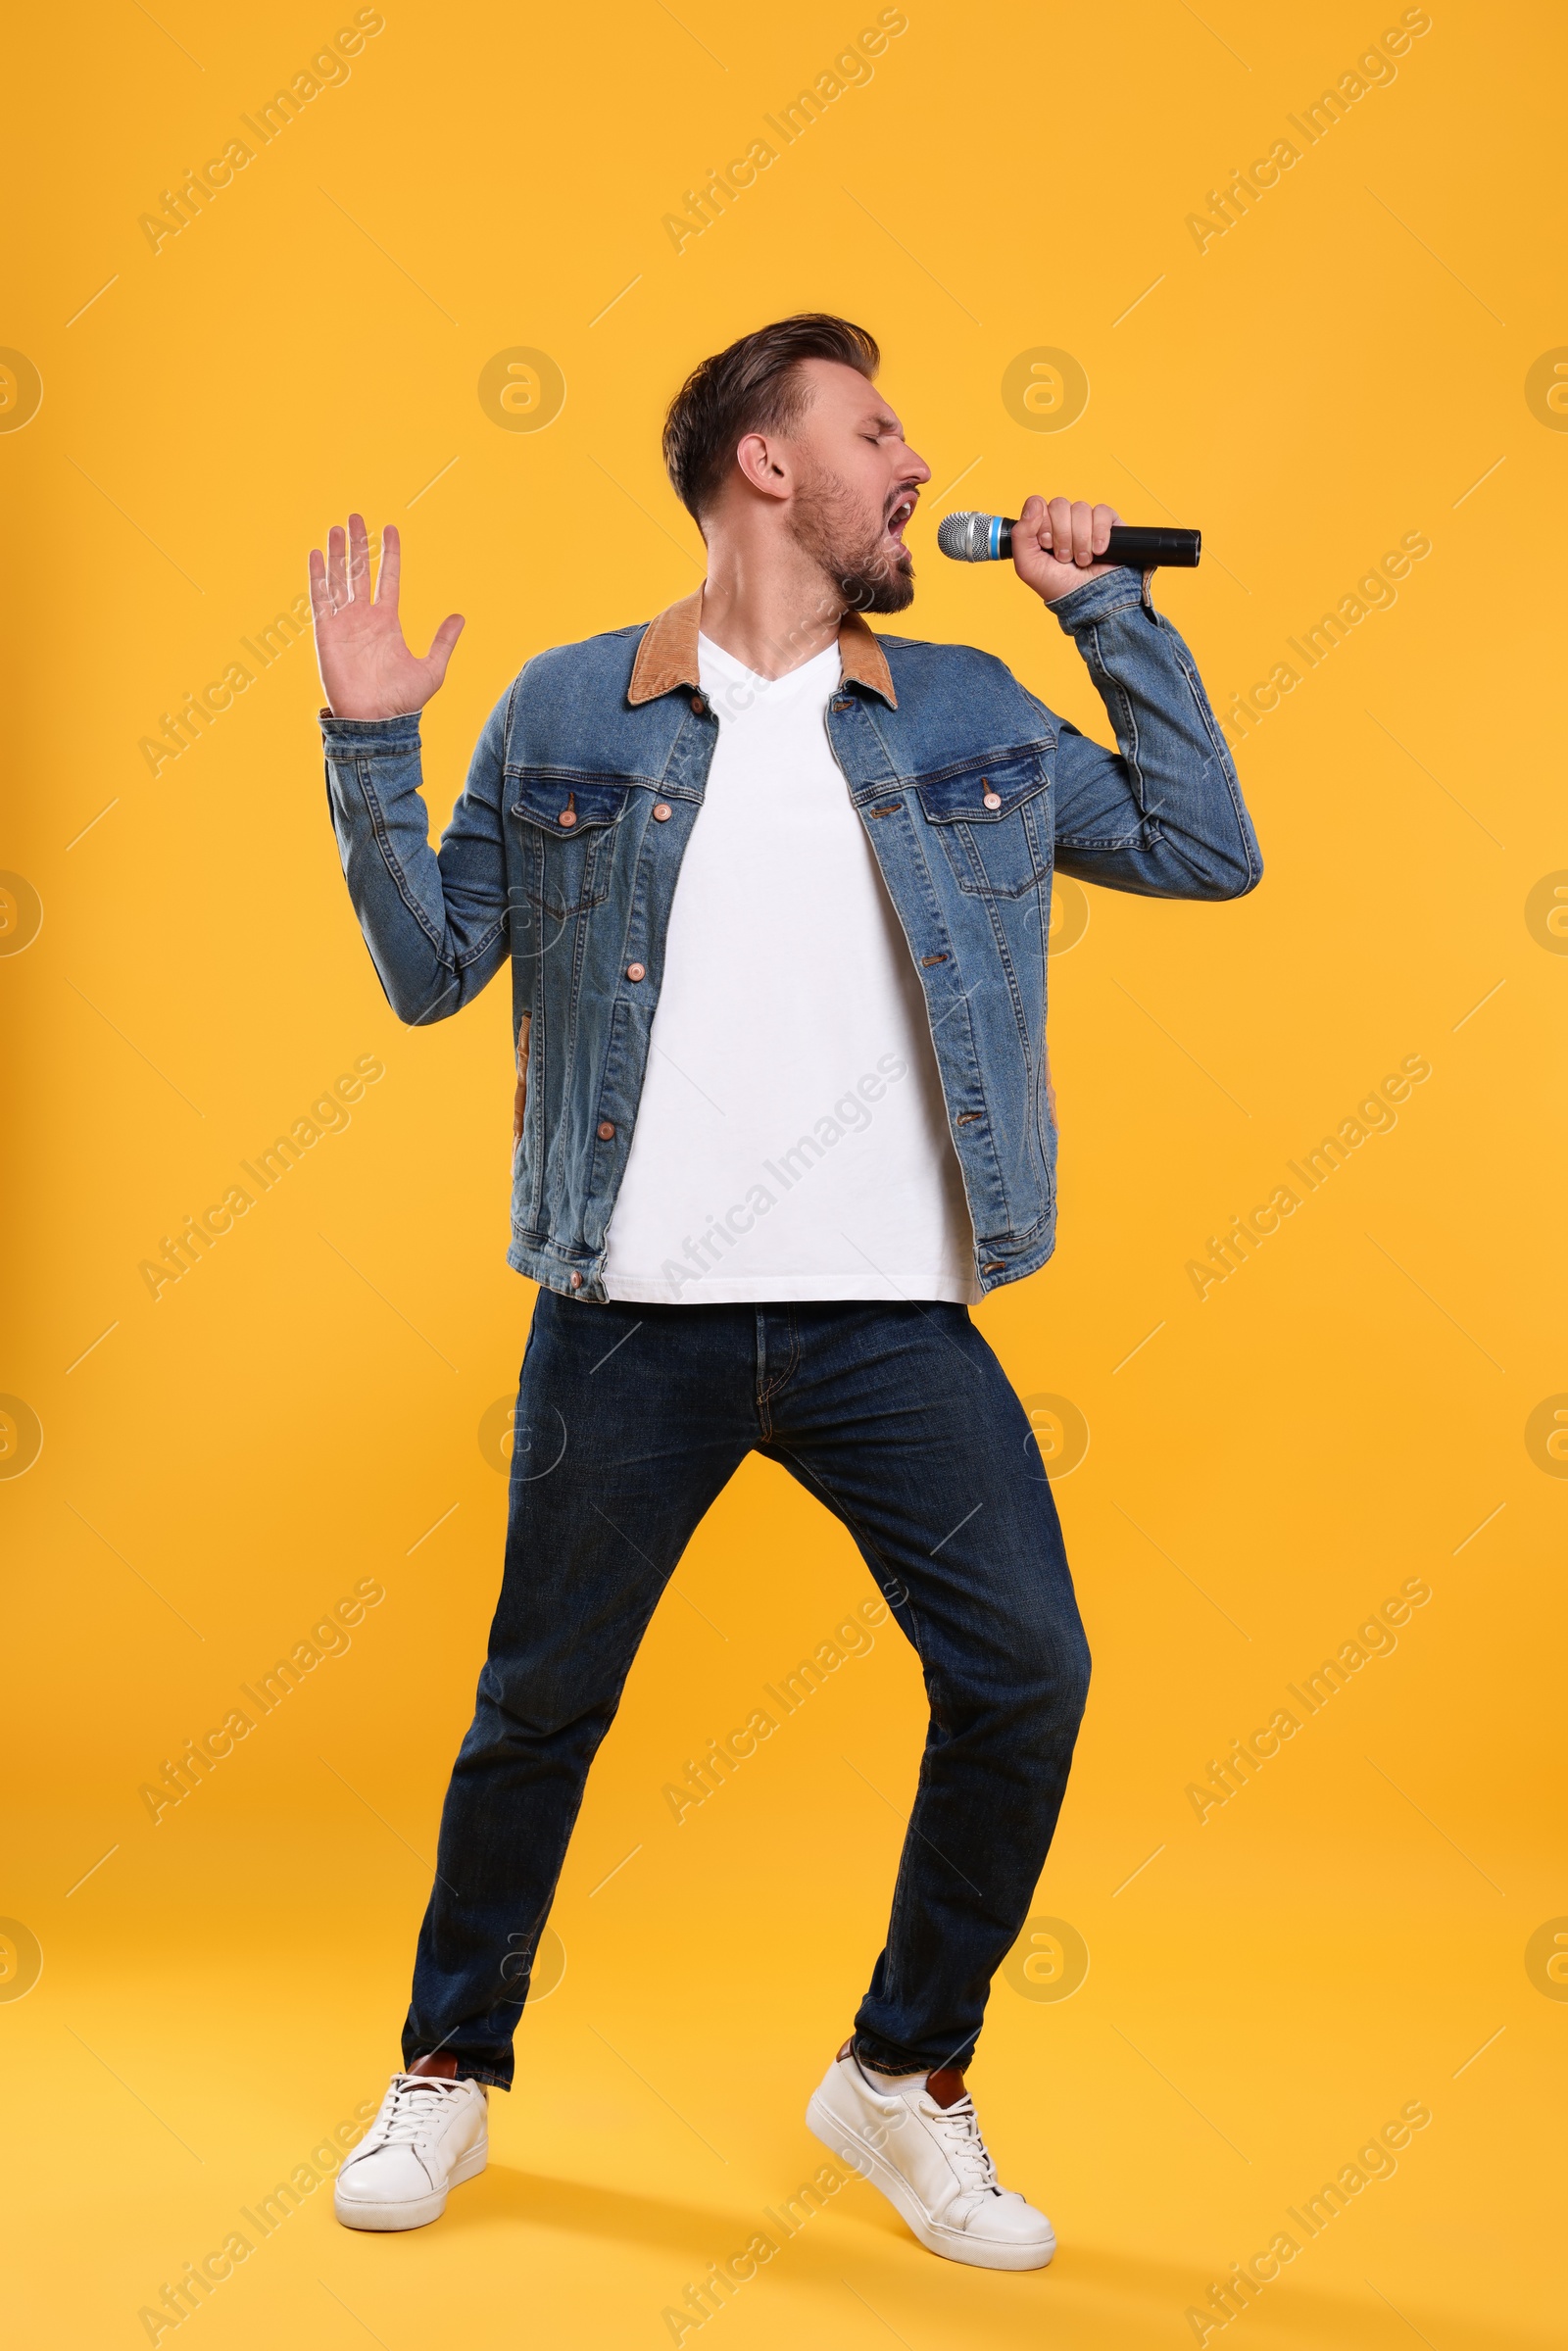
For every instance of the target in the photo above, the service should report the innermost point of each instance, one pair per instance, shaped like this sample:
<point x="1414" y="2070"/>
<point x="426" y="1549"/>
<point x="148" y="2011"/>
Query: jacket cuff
<point x="1097" y="596"/>
<point x="401" y="733"/>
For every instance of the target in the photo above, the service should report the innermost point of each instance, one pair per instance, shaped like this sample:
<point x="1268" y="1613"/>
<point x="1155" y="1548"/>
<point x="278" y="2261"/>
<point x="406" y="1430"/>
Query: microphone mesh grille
<point x="965" y="537"/>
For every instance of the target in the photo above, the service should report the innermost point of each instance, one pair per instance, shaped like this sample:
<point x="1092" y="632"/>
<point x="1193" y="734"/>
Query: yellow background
<point x="1341" y="367"/>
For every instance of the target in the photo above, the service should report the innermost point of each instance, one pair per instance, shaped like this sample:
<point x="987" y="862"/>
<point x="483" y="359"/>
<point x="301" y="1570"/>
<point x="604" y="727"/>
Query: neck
<point x="769" y="614"/>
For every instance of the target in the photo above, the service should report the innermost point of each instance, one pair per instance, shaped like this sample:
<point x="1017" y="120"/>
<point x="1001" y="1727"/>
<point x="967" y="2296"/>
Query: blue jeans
<point x="630" y="1421"/>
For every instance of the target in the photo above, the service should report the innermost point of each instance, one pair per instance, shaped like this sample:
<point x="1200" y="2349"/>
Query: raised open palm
<point x="368" y="671"/>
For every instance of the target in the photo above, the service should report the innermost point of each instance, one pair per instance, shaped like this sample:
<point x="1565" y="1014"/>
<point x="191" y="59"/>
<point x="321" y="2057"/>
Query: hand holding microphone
<point x="1057" y="547"/>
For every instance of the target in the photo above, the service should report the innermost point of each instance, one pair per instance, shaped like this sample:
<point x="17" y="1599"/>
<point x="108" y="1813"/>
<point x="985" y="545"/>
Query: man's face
<point x="858" y="487"/>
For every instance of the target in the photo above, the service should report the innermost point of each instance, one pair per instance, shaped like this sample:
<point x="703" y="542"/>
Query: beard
<point x="869" y="575"/>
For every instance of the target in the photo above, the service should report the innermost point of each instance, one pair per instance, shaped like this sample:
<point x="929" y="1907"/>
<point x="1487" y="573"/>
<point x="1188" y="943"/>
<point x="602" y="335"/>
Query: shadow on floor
<point x="857" y="2247"/>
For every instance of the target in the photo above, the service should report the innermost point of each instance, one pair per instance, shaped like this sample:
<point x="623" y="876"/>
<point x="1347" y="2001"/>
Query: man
<point x="776" y="893"/>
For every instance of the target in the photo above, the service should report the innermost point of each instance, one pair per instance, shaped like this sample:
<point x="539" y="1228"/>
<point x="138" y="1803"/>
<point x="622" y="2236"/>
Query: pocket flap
<point x="962" y="798"/>
<point x="544" y="800"/>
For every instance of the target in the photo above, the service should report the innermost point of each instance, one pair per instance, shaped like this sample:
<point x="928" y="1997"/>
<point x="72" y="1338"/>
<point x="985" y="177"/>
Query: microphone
<point x="988" y="538"/>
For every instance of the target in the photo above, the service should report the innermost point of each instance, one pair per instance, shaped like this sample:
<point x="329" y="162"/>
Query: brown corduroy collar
<point x="668" y="654"/>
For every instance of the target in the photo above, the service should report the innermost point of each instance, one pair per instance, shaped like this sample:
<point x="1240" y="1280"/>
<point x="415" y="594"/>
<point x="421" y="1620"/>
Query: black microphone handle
<point x="1139" y="549"/>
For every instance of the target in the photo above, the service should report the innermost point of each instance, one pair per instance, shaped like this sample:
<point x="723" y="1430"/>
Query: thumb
<point x="1032" y="520"/>
<point x="446" y="636"/>
<point x="1032" y="526"/>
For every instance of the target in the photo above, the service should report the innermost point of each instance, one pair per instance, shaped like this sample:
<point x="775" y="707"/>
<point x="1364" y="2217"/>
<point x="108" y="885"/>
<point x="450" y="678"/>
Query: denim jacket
<point x="565" y="848"/>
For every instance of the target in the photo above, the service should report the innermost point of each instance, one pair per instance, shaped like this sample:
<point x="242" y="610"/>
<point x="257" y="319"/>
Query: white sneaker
<point x="428" y="2136"/>
<point x="930" y="2161"/>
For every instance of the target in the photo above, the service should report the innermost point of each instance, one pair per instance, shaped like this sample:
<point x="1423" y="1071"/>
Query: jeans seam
<point x="900" y="1885"/>
<point x="861" y="1536"/>
<point x="770" y="1388"/>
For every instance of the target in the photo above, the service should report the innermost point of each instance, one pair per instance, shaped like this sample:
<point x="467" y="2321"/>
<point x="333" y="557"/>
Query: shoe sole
<point x="420" y="2211"/>
<point x="952" y="2243"/>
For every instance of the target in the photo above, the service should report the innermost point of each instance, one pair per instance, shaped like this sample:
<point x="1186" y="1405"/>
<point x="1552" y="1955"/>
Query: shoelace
<point x="959" y="2129"/>
<point x="416" y="2108"/>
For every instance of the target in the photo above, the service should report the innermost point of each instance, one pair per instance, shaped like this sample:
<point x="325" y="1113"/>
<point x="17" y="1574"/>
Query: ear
<point x="763" y="464"/>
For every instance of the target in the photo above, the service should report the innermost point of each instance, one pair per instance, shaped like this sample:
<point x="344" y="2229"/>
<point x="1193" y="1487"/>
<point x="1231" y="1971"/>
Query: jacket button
<point x="606" y="1132"/>
<point x="568" y="816"/>
<point x="577" y="1281"/>
<point x="636" y="972"/>
<point x="993" y="799"/>
<point x="662" y="812"/>
<point x="697" y="703"/>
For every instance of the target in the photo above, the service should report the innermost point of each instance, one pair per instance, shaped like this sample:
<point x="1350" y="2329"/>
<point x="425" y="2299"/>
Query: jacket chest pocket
<point x="994" y="822"/>
<point x="565" y="838"/>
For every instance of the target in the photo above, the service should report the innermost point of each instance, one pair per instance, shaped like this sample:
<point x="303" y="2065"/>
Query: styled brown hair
<point x="755" y="386"/>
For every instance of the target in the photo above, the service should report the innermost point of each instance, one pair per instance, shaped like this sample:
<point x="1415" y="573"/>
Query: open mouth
<point x="900" y="516"/>
<point x="897" y="523"/>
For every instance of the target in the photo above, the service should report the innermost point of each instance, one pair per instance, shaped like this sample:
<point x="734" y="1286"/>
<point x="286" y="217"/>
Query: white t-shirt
<point x="792" y="1141"/>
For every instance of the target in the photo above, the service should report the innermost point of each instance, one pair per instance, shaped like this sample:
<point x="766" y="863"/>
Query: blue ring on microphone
<point x="994" y="550"/>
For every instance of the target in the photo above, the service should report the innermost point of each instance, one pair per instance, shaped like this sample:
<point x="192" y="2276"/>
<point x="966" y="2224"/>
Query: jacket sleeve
<point x="436" y="924"/>
<point x="1163" y="813"/>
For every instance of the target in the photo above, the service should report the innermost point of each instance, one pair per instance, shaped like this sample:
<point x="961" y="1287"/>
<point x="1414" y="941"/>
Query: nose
<point x="919" y="471"/>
